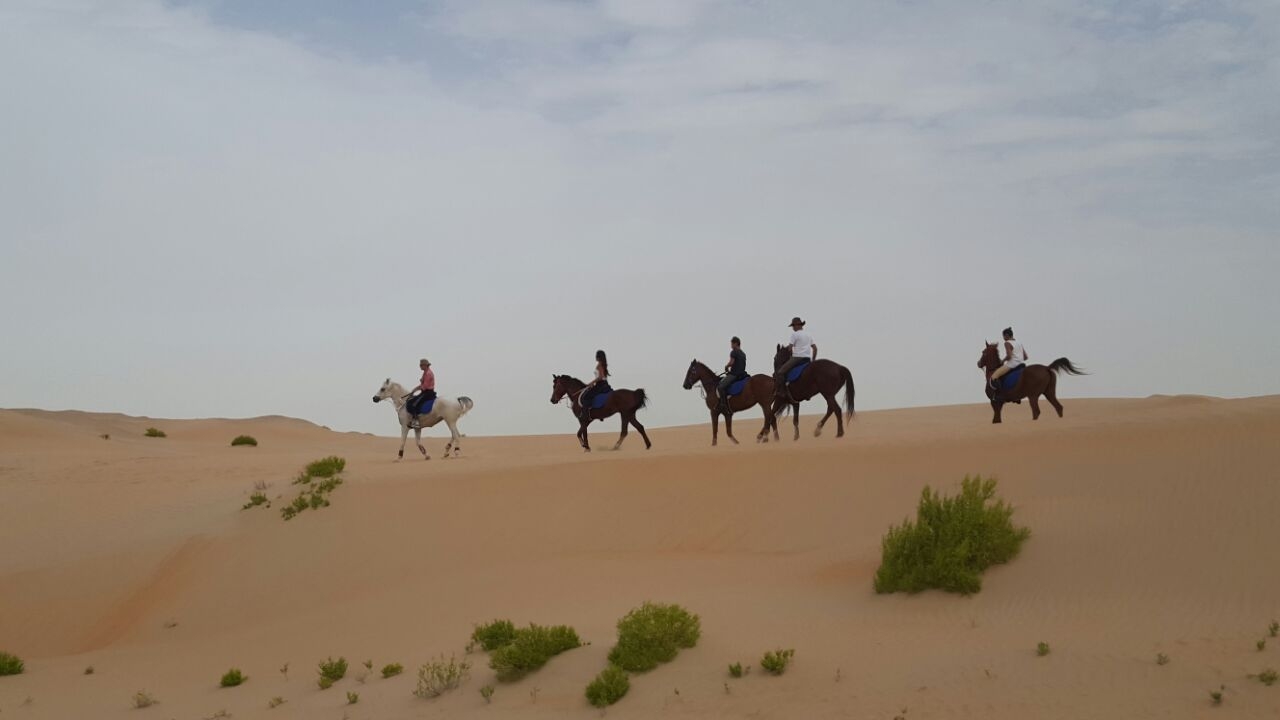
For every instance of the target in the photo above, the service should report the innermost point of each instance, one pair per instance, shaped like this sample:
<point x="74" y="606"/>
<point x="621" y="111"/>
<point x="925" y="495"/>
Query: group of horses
<point x="820" y="377"/>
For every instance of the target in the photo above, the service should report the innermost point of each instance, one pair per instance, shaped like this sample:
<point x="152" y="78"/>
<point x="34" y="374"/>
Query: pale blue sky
<point x="235" y="208"/>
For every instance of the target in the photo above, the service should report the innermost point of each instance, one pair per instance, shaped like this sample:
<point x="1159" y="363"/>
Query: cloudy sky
<point x="235" y="208"/>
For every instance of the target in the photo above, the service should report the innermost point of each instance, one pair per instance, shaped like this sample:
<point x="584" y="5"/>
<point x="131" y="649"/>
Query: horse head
<point x="692" y="376"/>
<point x="783" y="355"/>
<point x="990" y="357"/>
<point x="564" y="385"/>
<point x="384" y="392"/>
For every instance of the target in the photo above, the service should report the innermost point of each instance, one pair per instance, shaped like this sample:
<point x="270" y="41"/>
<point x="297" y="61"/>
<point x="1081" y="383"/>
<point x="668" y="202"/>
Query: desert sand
<point x="1155" y="526"/>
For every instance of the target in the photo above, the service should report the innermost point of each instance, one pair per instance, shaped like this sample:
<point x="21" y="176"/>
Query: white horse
<point x="444" y="409"/>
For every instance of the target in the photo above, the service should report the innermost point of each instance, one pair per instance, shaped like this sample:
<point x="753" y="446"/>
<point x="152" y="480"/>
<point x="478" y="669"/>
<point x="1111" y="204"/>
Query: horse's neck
<point x="706" y="376"/>
<point x="397" y="394"/>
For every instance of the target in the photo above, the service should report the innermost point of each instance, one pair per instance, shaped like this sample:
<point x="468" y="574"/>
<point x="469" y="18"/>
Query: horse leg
<point x="832" y="407"/>
<point x="417" y="438"/>
<point x="455" y="440"/>
<point x="582" y="435"/>
<point x="996" y="405"/>
<point x="835" y="408"/>
<point x="1051" y="394"/>
<point x="715" y="427"/>
<point x="1034" y="401"/>
<point x="795" y="419"/>
<point x="640" y="429"/>
<point x="623" y="435"/>
<point x="728" y="427"/>
<point x="404" y="438"/>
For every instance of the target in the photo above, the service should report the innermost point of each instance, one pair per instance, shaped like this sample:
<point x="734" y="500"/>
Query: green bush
<point x="275" y="702"/>
<point x="486" y="692"/>
<point x="437" y="678"/>
<point x="326" y="467"/>
<point x="333" y="670"/>
<point x="142" y="699"/>
<point x="391" y="670"/>
<point x="951" y="542"/>
<point x="530" y="649"/>
<point x="494" y="635"/>
<point x="1267" y="677"/>
<point x="736" y="670"/>
<point x="244" y="440"/>
<point x="233" y="677"/>
<point x="311" y="497"/>
<point x="776" y="661"/>
<point x="256" y="499"/>
<point x="352" y="698"/>
<point x="10" y="664"/>
<point x="608" y="687"/>
<point x="153" y="432"/>
<point x="1042" y="649"/>
<point x="652" y="634"/>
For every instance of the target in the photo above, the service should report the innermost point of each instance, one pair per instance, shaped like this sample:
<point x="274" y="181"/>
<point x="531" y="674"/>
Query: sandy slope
<point x="1155" y="526"/>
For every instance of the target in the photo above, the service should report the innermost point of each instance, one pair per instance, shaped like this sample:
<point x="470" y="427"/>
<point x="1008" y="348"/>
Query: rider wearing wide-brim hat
<point x="803" y="350"/>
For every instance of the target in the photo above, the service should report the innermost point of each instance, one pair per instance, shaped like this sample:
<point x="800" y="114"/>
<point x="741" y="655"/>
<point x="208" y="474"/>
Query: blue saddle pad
<point x="736" y="388"/>
<point x="426" y="406"/>
<point x="1009" y="381"/>
<point x="797" y="371"/>
<point x="598" y="401"/>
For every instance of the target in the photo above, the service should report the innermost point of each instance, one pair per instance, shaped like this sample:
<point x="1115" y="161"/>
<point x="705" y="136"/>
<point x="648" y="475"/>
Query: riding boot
<point x="413" y="423"/>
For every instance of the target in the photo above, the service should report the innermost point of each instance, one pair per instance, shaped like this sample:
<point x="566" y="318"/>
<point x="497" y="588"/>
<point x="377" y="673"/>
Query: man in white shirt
<point x="1015" y="356"/>
<point x="803" y="350"/>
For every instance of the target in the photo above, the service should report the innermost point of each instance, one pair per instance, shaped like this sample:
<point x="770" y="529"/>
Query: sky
<point x="229" y="208"/>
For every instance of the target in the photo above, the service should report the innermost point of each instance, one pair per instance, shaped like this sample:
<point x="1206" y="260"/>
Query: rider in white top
<point x="803" y="350"/>
<point x="1015" y="356"/>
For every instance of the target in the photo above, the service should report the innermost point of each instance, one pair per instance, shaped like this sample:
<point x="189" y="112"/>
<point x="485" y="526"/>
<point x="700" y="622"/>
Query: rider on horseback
<point x="734" y="370"/>
<point x="803" y="350"/>
<point x="1015" y="356"/>
<point x="599" y="384"/>
<point x="425" y="391"/>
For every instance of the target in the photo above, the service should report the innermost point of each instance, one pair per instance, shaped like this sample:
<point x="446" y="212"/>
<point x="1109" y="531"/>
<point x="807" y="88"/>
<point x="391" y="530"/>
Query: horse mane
<point x="572" y="381"/>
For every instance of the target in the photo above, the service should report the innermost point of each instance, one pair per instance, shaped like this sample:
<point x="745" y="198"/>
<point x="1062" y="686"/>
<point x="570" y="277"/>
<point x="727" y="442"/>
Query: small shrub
<point x="1216" y="695"/>
<point x="324" y="682"/>
<point x="1274" y="628"/>
<point x="352" y="698"/>
<point x="776" y="661"/>
<point x="1162" y="659"/>
<point x="326" y="467"/>
<point x="10" y="664"/>
<point x="332" y="669"/>
<point x="141" y="699"/>
<point x="1261" y="644"/>
<point x="608" y="687"/>
<point x="255" y="500"/>
<point x="494" y="635"/>
<point x="437" y="678"/>
<point x="652" y="634"/>
<point x="951" y="541"/>
<point x="530" y="649"/>
<point x="233" y="677"/>
<point x="736" y="670"/>
<point x="311" y="497"/>
<point x="1267" y="677"/>
<point x="1042" y="649"/>
<point x="284" y="670"/>
<point x="391" y="670"/>
<point x="88" y="670"/>
<point x="244" y="440"/>
<point x="486" y="692"/>
<point x="105" y="436"/>
<point x="153" y="432"/>
<point x="275" y="702"/>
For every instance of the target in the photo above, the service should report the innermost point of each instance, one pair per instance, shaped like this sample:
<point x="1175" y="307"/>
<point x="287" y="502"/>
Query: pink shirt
<point x="428" y="380"/>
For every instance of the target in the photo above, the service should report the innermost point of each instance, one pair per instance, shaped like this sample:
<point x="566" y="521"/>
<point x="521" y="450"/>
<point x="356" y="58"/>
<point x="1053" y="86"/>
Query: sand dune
<point x="1154" y="522"/>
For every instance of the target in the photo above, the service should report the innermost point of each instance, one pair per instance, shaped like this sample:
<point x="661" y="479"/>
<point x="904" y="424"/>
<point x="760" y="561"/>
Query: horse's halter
<point x="566" y="394"/>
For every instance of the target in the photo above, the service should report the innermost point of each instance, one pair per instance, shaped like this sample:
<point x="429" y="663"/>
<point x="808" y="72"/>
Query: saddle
<point x="738" y="386"/>
<point x="1010" y="380"/>
<point x="797" y="371"/>
<point x="417" y="406"/>
<point x="598" y="401"/>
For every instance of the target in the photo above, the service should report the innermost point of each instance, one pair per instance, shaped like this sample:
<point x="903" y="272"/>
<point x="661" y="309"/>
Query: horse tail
<point x="848" y="392"/>
<point x="466" y="403"/>
<point x="1064" y="365"/>
<point x="642" y="400"/>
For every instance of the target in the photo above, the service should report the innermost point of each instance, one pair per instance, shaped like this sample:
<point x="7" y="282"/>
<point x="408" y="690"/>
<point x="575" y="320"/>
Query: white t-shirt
<point x="801" y="344"/>
<point x="1019" y="355"/>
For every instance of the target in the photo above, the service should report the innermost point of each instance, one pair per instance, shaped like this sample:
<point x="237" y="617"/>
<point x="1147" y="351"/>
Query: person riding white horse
<point x="445" y="409"/>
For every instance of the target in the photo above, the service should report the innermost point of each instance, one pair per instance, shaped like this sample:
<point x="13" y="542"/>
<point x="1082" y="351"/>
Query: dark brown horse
<point x="626" y="402"/>
<point x="1036" y="380"/>
<point x="821" y="377"/>
<point x="757" y="391"/>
